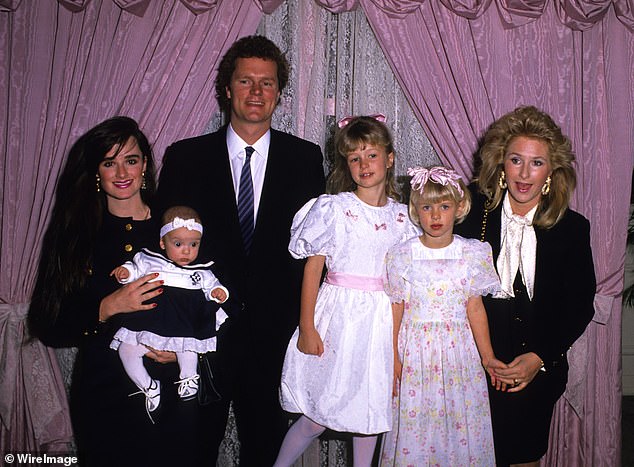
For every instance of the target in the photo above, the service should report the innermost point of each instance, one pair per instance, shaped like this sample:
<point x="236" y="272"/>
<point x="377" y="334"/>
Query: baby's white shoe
<point x="152" y="397"/>
<point x="188" y="387"/>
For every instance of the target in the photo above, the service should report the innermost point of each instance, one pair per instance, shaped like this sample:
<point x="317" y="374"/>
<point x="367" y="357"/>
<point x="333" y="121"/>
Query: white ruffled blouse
<point x="518" y="250"/>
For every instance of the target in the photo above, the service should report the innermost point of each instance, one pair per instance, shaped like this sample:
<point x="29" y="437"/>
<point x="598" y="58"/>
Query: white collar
<point x="451" y="251"/>
<point x="236" y="145"/>
<point x="508" y="211"/>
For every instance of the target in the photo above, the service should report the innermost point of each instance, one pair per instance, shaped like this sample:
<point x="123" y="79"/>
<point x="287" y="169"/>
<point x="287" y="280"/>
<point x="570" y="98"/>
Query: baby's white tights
<point x="132" y="358"/>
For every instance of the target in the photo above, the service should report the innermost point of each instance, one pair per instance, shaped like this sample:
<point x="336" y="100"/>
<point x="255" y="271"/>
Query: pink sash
<point x="370" y="284"/>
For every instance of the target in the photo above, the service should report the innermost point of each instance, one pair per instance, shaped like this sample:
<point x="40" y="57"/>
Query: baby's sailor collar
<point x="156" y="255"/>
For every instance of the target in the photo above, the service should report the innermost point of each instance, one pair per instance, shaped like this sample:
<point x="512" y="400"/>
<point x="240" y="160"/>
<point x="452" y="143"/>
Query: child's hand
<point x="520" y="372"/>
<point x="120" y="273"/>
<point x="492" y="366"/>
<point x="398" y="371"/>
<point x="310" y="342"/>
<point x="219" y="294"/>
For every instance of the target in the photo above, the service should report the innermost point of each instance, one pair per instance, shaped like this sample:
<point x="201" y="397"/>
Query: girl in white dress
<point x="441" y="410"/>
<point x="338" y="370"/>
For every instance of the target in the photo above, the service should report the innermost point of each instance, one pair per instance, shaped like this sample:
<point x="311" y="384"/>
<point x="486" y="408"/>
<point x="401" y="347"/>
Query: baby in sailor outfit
<point x="184" y="320"/>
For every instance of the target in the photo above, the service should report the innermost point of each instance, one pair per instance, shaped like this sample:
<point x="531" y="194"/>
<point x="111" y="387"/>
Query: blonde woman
<point x="541" y="250"/>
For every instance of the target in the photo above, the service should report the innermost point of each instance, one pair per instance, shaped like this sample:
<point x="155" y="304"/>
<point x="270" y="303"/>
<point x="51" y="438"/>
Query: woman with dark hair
<point x="542" y="253"/>
<point x="100" y="218"/>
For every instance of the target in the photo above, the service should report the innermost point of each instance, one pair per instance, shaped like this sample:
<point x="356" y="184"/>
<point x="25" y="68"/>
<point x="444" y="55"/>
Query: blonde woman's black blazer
<point x="564" y="283"/>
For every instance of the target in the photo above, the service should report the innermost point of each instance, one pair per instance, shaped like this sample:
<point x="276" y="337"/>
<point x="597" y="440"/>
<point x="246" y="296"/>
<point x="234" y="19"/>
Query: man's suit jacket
<point x="564" y="284"/>
<point x="265" y="284"/>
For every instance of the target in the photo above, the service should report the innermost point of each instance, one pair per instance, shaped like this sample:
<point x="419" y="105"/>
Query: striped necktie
<point x="245" y="201"/>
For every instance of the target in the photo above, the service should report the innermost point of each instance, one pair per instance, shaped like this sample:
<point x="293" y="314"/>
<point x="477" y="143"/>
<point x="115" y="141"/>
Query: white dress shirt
<point x="259" y="158"/>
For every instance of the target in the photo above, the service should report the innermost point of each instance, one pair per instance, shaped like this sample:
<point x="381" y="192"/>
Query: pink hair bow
<point x="441" y="175"/>
<point x="345" y="120"/>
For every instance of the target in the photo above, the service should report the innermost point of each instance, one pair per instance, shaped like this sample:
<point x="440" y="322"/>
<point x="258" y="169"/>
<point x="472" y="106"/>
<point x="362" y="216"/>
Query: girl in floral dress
<point x="441" y="411"/>
<point x="338" y="369"/>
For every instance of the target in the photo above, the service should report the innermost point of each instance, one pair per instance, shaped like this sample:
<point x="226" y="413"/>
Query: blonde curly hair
<point x="530" y="122"/>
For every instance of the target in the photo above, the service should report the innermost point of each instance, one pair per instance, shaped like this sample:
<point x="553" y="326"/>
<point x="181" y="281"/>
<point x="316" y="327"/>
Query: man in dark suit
<point x="247" y="237"/>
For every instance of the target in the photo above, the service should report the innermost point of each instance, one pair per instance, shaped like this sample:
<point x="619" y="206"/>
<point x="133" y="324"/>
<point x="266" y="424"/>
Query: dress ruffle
<point x="171" y="344"/>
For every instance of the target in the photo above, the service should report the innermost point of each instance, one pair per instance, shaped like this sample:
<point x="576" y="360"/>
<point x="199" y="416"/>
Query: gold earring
<point x="502" y="181"/>
<point x="98" y="178"/>
<point x="546" y="186"/>
<point x="143" y="184"/>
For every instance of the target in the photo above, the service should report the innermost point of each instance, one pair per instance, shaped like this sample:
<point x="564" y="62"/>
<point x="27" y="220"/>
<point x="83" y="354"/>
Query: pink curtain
<point x="65" y="66"/>
<point x="462" y="65"/>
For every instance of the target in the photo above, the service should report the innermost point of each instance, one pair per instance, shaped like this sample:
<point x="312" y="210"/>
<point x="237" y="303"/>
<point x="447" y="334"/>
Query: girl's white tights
<point x="363" y="450"/>
<point x="304" y="431"/>
<point x="299" y="436"/>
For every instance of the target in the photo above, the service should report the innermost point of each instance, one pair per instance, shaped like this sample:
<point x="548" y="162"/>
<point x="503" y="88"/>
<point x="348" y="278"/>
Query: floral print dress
<point x="441" y="416"/>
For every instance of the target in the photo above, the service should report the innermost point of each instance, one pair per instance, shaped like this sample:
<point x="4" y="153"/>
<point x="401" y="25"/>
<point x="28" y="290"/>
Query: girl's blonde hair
<point x="529" y="122"/>
<point x="437" y="193"/>
<point x="357" y="134"/>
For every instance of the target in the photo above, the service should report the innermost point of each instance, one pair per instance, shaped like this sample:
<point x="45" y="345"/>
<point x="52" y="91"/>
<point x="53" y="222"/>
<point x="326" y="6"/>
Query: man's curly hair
<point x="248" y="47"/>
